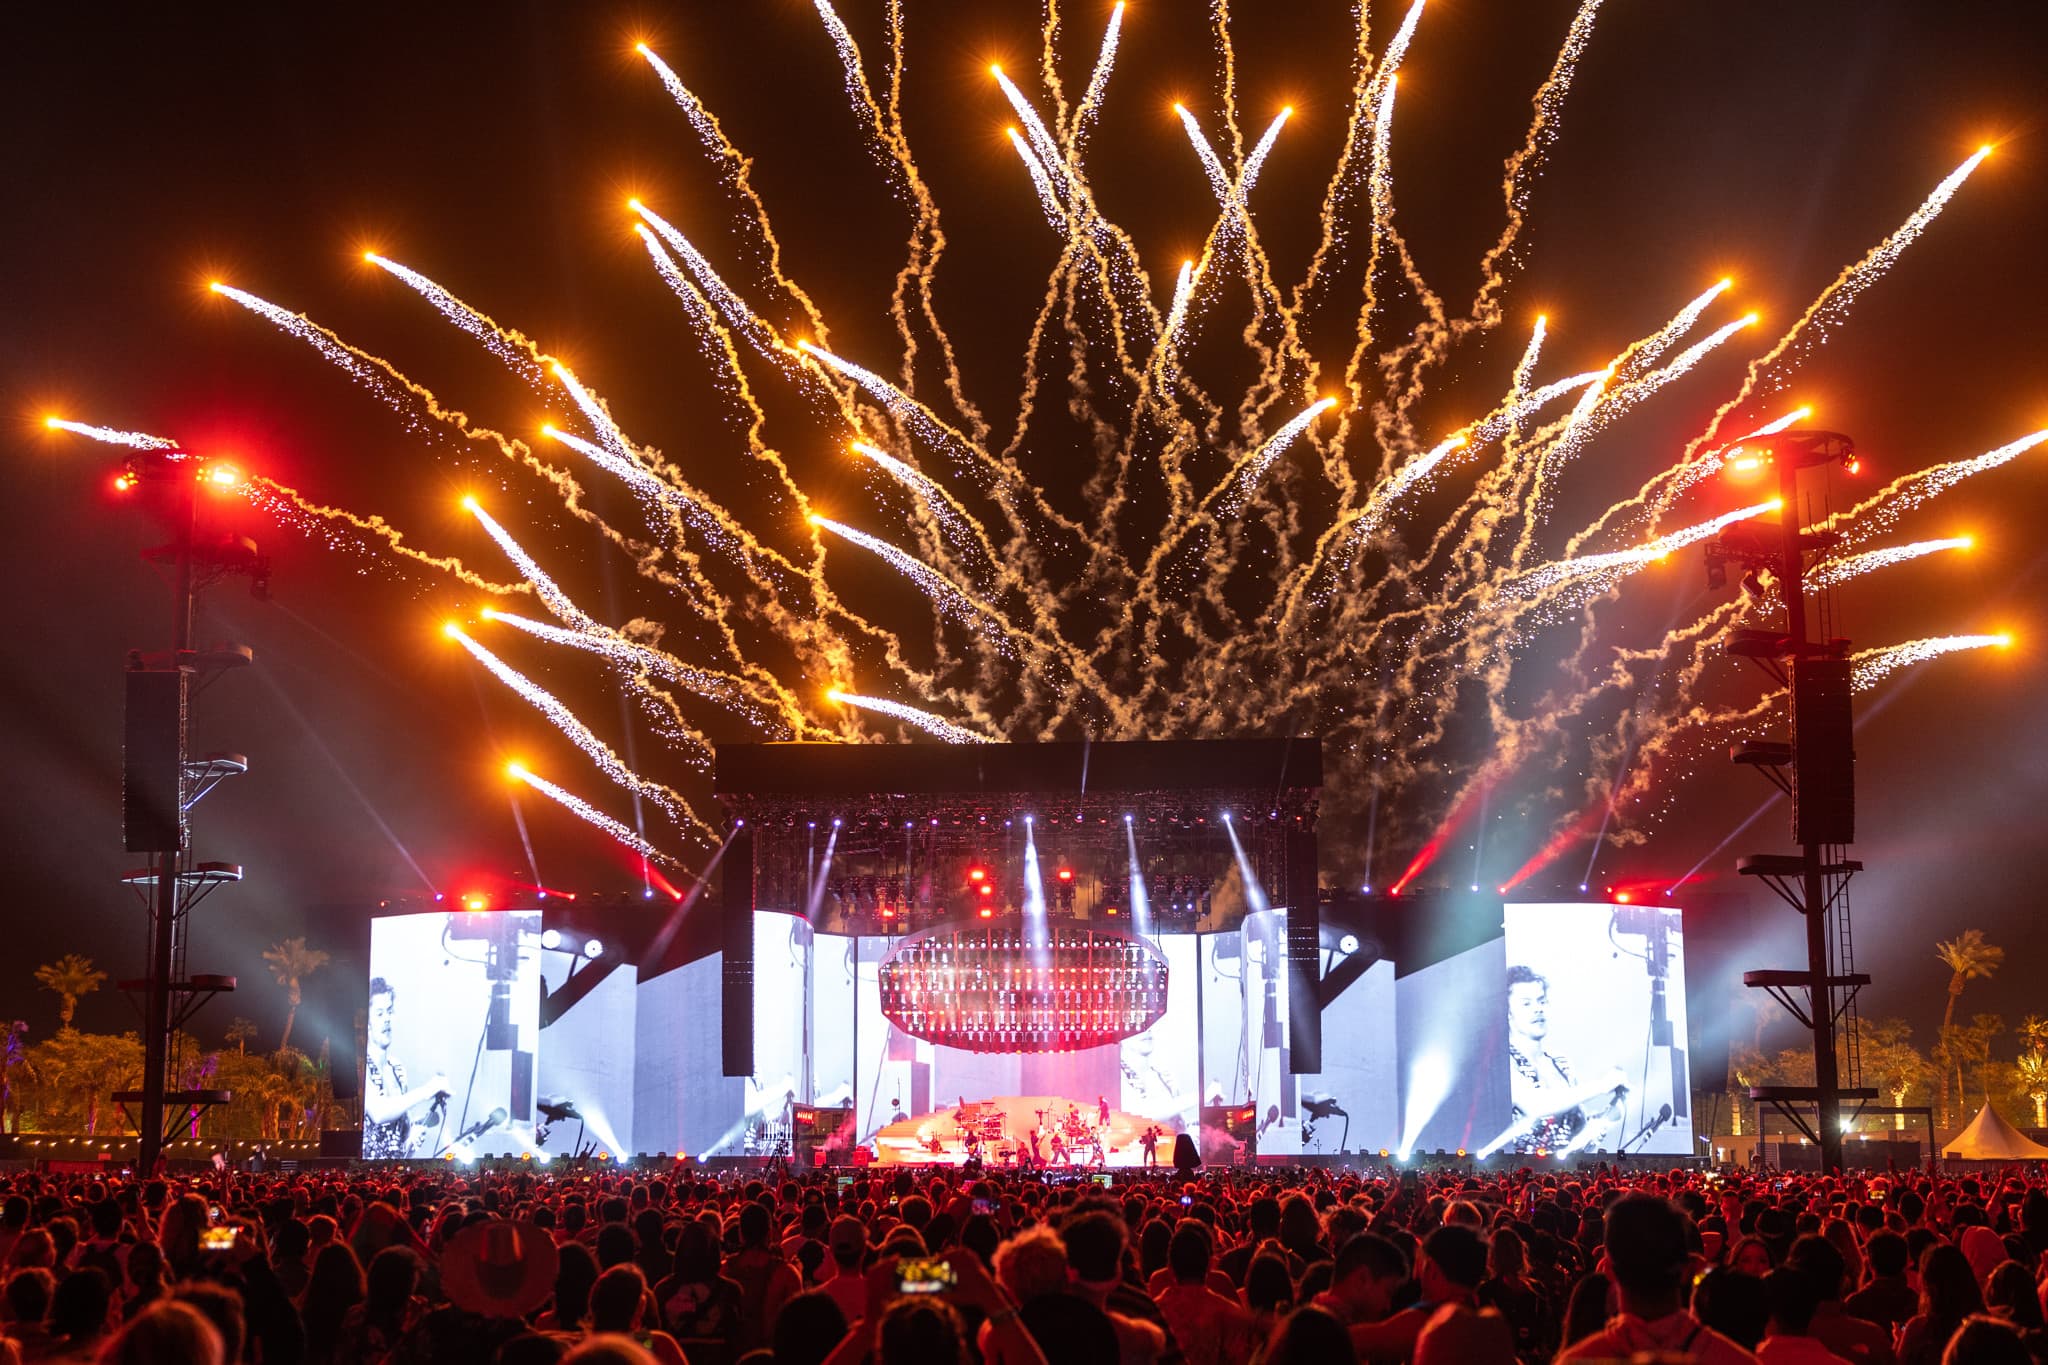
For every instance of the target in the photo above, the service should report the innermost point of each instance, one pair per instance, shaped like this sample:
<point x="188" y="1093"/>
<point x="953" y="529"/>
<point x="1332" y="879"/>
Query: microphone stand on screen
<point x="1654" y="925"/>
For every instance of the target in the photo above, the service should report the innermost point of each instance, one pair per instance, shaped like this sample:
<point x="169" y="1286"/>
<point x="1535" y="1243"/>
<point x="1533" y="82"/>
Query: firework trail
<point x="1828" y="311"/>
<point x="1041" y="180"/>
<point x="1605" y="569"/>
<point x="1523" y="166"/>
<point x="135" y="440"/>
<point x="1830" y="572"/>
<point x="1098" y="81"/>
<point x="284" y="501"/>
<point x="633" y="657"/>
<point x="544" y="587"/>
<point x="345" y="358"/>
<point x="1872" y="665"/>
<point x="519" y="353"/>
<point x="697" y="755"/>
<point x="737" y="170"/>
<point x="1366" y="591"/>
<point x="571" y="801"/>
<point x="923" y="720"/>
<point x="965" y="536"/>
<point x="1881" y="510"/>
<point x="1255" y="464"/>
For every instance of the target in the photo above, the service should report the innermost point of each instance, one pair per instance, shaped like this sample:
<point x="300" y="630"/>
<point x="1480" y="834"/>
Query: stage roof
<point x="1268" y="767"/>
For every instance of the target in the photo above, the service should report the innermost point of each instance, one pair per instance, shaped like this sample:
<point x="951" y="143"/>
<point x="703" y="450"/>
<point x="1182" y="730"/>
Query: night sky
<point x="492" y="147"/>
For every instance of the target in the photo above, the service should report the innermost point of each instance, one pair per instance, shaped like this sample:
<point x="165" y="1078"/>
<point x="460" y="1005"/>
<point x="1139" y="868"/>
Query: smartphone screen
<point x="924" y="1277"/>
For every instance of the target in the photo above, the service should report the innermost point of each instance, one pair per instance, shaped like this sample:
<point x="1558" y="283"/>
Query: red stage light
<point x="988" y="912"/>
<point x="1622" y="896"/>
<point x="976" y="874"/>
<point x="474" y="902"/>
<point x="1066" y="874"/>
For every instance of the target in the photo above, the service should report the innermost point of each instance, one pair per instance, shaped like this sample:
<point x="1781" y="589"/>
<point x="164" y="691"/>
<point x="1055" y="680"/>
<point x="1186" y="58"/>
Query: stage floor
<point x="936" y="1139"/>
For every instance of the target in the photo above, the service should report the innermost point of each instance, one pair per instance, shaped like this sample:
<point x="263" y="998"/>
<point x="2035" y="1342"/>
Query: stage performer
<point x="1552" y="1107"/>
<point x="1102" y="1111"/>
<point x="388" y="1106"/>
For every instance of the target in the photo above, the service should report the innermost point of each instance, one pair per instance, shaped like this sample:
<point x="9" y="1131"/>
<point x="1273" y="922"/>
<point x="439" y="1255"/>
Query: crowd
<point x="901" y="1267"/>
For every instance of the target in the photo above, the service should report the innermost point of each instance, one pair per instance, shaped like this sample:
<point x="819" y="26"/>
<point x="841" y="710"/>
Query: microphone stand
<point x="1652" y="1126"/>
<point x="461" y="1138"/>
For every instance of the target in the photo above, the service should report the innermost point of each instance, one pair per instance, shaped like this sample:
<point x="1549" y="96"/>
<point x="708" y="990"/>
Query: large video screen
<point x="452" y="1027"/>
<point x="1563" y="1031"/>
<point x="1351" y="1105"/>
<point x="1594" y="1004"/>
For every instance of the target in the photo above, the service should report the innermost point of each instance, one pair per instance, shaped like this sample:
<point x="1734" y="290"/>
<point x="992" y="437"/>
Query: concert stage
<point x="1004" y="1126"/>
<point x="899" y="926"/>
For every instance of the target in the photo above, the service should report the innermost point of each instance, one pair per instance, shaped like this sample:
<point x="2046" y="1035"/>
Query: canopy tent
<point x="1991" y="1138"/>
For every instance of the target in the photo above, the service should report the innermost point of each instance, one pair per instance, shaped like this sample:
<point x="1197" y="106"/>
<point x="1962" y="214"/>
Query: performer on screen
<point x="1552" y="1106"/>
<point x="388" y="1106"/>
<point x="1102" y="1111"/>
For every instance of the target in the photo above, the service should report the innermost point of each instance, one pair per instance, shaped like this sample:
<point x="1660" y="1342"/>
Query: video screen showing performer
<point x="451" y="1019"/>
<point x="1595" y="1006"/>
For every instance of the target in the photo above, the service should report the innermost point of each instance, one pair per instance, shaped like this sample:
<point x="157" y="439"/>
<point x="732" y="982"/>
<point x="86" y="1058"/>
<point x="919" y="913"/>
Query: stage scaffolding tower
<point x="162" y="782"/>
<point x="1816" y="769"/>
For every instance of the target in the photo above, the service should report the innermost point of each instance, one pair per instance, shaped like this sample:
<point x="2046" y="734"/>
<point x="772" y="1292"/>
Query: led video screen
<point x="1418" y="1056"/>
<point x="1594" y="1003"/>
<point x="452" y="1028"/>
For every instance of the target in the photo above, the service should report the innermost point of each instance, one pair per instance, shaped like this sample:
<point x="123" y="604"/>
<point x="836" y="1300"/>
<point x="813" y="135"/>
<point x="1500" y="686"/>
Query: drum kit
<point x="1064" y="1136"/>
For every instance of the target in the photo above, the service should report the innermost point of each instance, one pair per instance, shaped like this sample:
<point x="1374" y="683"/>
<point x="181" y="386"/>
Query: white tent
<point x="1991" y="1138"/>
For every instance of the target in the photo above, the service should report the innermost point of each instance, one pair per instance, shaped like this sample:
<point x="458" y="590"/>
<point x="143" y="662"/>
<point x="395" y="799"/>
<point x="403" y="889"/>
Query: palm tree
<point x="13" y="1057"/>
<point x="240" y="1032"/>
<point x="1891" y="1060"/>
<point x="70" y="976"/>
<point x="1966" y="958"/>
<point x="74" y="1071"/>
<point x="291" y="962"/>
<point x="2033" y="1072"/>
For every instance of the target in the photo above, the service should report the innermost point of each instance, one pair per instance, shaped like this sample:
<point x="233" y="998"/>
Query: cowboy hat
<point x="500" y="1269"/>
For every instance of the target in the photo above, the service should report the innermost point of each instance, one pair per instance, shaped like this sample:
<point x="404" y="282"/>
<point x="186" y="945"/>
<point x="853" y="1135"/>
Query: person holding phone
<point x="923" y="1324"/>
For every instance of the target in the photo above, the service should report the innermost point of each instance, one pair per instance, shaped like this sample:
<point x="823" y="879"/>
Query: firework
<point x="923" y="720"/>
<point x="135" y="440"/>
<point x="518" y="772"/>
<point x="1227" y="563"/>
<point x="579" y="734"/>
<point x="1870" y="666"/>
